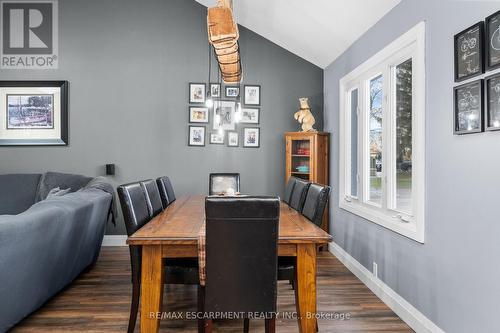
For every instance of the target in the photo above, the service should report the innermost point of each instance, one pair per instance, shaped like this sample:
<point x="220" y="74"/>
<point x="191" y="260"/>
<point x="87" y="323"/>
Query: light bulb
<point x="209" y="102"/>
<point x="496" y="123"/>
<point x="237" y="114"/>
<point x="221" y="131"/>
<point x="217" y="119"/>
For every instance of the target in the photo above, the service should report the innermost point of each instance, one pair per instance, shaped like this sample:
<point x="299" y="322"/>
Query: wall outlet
<point x="375" y="269"/>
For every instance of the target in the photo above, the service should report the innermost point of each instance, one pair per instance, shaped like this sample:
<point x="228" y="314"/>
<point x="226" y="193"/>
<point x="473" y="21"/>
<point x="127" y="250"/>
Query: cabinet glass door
<point x="301" y="158"/>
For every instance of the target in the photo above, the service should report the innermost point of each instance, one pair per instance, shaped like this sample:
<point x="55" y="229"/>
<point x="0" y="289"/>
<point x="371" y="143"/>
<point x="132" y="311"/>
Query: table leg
<point x="306" y="287"/>
<point x="151" y="288"/>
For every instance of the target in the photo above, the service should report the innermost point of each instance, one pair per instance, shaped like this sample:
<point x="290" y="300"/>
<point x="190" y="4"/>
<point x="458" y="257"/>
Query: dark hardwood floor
<point x="99" y="300"/>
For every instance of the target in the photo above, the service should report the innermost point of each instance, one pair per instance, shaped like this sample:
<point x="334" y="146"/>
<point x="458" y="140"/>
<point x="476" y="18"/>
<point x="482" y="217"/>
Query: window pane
<point x="375" y="125"/>
<point x="354" y="143"/>
<point x="403" y="136"/>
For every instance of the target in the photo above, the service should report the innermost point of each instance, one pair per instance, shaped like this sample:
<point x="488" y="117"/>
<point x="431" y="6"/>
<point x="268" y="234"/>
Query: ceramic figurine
<point x="304" y="116"/>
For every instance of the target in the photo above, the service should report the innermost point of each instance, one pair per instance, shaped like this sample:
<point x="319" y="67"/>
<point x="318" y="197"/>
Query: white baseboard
<point x="114" y="240"/>
<point x="407" y="312"/>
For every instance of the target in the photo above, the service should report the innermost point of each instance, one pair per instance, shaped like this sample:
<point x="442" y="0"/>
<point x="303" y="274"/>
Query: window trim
<point x="410" y="45"/>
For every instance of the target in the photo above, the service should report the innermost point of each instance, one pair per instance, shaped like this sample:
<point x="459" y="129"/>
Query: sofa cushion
<point x="52" y="180"/>
<point x="57" y="192"/>
<point x="17" y="192"/>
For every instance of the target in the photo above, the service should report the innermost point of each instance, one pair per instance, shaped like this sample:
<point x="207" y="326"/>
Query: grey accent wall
<point x="129" y="63"/>
<point x="453" y="278"/>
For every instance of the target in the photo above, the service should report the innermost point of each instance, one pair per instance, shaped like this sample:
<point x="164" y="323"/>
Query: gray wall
<point x="129" y="63"/>
<point x="452" y="278"/>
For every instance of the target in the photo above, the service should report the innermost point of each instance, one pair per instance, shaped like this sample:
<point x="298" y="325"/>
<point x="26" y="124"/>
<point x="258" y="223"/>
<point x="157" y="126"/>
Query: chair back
<point x="289" y="189"/>
<point x="316" y="200"/>
<point x="220" y="182"/>
<point x="299" y="194"/>
<point x="241" y="254"/>
<point x="152" y="197"/>
<point x="136" y="214"/>
<point x="166" y="191"/>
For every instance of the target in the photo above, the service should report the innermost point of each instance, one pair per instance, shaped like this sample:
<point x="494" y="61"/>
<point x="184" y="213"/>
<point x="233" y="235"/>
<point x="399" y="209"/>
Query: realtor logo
<point x="29" y="34"/>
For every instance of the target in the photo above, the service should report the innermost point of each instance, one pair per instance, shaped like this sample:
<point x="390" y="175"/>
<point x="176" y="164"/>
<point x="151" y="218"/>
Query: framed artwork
<point x="215" y="89"/>
<point x="492" y="119"/>
<point x="469" y="55"/>
<point x="252" y="95"/>
<point x="251" y="137"/>
<point x="468" y="114"/>
<point x="197" y="93"/>
<point x="249" y="116"/>
<point x="196" y="136"/>
<point x="224" y="115"/>
<point x="492" y="46"/>
<point x="198" y="114"/>
<point x="232" y="92"/>
<point x="34" y="113"/>
<point x="232" y="139"/>
<point x="217" y="138"/>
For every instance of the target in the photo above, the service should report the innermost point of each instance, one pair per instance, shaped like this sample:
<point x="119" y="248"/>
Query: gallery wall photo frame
<point x="223" y="115"/>
<point x="34" y="113"/>
<point x="492" y="40"/>
<point x="233" y="139"/>
<point x="198" y="114"/>
<point x="492" y="103"/>
<point x="197" y="93"/>
<point x="469" y="52"/>
<point x="231" y="91"/>
<point x="196" y="136"/>
<point x="217" y="138"/>
<point x="215" y="89"/>
<point x="468" y="110"/>
<point x="250" y="115"/>
<point x="251" y="137"/>
<point x="252" y="94"/>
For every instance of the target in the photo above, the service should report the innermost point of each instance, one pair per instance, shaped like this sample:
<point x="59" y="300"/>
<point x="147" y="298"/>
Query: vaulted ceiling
<point x="316" y="30"/>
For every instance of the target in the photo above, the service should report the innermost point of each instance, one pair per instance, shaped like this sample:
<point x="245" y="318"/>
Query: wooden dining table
<point x="175" y="233"/>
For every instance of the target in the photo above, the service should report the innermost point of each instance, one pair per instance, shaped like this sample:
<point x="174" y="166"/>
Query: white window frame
<point x="409" y="45"/>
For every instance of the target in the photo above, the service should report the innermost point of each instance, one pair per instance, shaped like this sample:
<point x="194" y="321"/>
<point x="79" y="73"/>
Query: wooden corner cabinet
<point x="307" y="158"/>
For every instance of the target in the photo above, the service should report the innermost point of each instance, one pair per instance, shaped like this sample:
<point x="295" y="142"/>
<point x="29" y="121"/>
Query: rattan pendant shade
<point x="223" y="35"/>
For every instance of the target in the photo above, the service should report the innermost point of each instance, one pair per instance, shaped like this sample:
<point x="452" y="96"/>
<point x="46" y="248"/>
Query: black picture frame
<point x="245" y="101"/>
<point x="226" y="88"/>
<point x="190" y="109"/>
<point x="244" y="121"/>
<point x="204" y="94"/>
<point x="228" y="141"/>
<point x="63" y="139"/>
<point x="204" y="136"/>
<point x="491" y="50"/>
<point x="463" y="99"/>
<point x="492" y="95"/>
<point x="472" y="48"/>
<point x="245" y="145"/>
<point x="219" y="89"/>
<point x="216" y="143"/>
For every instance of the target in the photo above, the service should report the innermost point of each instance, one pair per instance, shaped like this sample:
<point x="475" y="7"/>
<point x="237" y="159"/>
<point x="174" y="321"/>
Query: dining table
<point x="175" y="233"/>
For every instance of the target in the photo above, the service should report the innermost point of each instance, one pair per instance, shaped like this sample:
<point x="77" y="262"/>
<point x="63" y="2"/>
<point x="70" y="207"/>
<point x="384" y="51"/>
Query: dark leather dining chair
<point x="219" y="183"/>
<point x="134" y="204"/>
<point x="153" y="199"/>
<point x="316" y="200"/>
<point x="299" y="194"/>
<point x="241" y="257"/>
<point x="289" y="189"/>
<point x="166" y="191"/>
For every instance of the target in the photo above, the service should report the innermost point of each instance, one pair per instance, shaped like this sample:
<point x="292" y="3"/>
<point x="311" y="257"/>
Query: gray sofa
<point x="45" y="243"/>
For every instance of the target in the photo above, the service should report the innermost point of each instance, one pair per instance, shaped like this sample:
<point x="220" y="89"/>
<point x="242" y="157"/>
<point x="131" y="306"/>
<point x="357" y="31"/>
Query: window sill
<point x="389" y="221"/>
